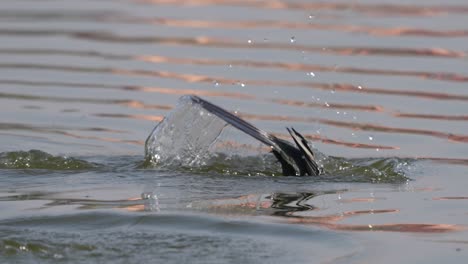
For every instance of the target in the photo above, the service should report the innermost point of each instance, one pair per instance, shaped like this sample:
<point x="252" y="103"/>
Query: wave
<point x="37" y="159"/>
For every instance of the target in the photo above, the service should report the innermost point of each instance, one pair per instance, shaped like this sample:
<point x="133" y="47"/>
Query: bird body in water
<point x="296" y="159"/>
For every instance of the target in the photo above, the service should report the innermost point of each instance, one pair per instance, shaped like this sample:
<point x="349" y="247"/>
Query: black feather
<point x="294" y="160"/>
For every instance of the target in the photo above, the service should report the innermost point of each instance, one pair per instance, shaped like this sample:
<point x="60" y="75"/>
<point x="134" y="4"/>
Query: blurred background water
<point x="379" y="83"/>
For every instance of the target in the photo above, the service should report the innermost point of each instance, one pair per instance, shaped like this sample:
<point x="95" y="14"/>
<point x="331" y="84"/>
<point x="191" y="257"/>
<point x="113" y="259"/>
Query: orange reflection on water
<point x="175" y="91"/>
<point x="364" y="212"/>
<point x="323" y="86"/>
<point x="371" y="30"/>
<point x="222" y="43"/>
<point x="135" y="208"/>
<point x="370" y="90"/>
<point x="359" y="126"/>
<point x="128" y="103"/>
<point x="448" y="160"/>
<point x="61" y="130"/>
<point x="411" y="227"/>
<point x="432" y="116"/>
<point x="138" y="104"/>
<point x="106" y="139"/>
<point x="114" y="17"/>
<point x="140" y="117"/>
<point x="308" y="68"/>
<point x="210" y="79"/>
<point x="329" y="105"/>
<point x="350" y="125"/>
<point x="326" y="140"/>
<point x="253" y="202"/>
<point x="379" y="9"/>
<point x="329" y="222"/>
<point x="451" y="198"/>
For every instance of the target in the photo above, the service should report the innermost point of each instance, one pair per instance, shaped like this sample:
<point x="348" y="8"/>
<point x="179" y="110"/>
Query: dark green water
<point x="378" y="87"/>
<point x="101" y="208"/>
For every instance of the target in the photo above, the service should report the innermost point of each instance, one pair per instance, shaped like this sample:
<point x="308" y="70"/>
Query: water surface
<point x="380" y="87"/>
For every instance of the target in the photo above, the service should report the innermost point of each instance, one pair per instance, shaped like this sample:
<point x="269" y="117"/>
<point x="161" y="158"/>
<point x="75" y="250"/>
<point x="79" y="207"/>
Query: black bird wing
<point x="308" y="155"/>
<point x="294" y="161"/>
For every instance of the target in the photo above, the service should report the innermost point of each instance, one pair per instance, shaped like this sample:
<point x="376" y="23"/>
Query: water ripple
<point x="202" y="41"/>
<point x="377" y="9"/>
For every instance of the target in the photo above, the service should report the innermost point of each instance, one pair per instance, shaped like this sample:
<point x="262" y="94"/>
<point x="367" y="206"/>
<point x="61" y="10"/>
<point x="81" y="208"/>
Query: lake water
<point x="379" y="87"/>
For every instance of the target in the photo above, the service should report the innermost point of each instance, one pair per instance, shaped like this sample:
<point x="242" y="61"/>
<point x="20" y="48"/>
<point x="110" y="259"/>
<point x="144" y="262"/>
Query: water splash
<point x="184" y="137"/>
<point x="375" y="170"/>
<point x="37" y="159"/>
<point x="190" y="138"/>
<point x="151" y="201"/>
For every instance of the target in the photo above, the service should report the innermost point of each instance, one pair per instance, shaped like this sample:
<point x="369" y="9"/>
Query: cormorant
<point x="298" y="160"/>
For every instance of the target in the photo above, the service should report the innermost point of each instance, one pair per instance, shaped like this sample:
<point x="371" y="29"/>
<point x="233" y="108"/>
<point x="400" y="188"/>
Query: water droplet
<point x="249" y="41"/>
<point x="292" y="39"/>
<point x="230" y="65"/>
<point x="311" y="16"/>
<point x="337" y="112"/>
<point x="377" y="149"/>
<point x="332" y="91"/>
<point x="311" y="74"/>
<point x="359" y="87"/>
<point x="242" y="84"/>
<point x="216" y="83"/>
<point x="151" y="201"/>
<point x="327" y="104"/>
<point x="157" y="157"/>
<point x="371" y="138"/>
<point x="370" y="226"/>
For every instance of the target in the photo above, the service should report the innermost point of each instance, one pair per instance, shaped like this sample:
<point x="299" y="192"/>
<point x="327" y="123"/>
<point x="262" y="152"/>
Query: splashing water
<point x="376" y="170"/>
<point x="151" y="201"/>
<point x="37" y="159"/>
<point x="192" y="138"/>
<point x="184" y="137"/>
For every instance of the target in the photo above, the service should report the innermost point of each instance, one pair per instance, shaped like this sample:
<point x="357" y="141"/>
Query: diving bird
<point x="295" y="160"/>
